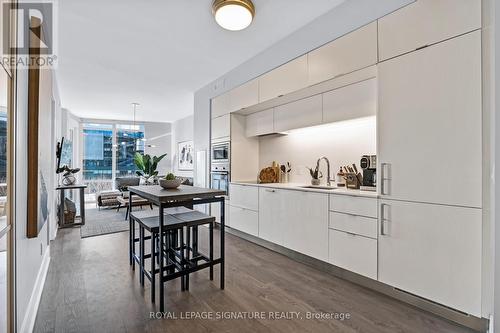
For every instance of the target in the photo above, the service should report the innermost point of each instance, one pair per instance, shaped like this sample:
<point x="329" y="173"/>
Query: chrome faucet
<point x="328" y="179"/>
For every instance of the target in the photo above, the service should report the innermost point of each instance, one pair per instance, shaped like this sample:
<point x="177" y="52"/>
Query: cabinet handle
<point x="270" y="190"/>
<point x="382" y="219"/>
<point x="384" y="177"/>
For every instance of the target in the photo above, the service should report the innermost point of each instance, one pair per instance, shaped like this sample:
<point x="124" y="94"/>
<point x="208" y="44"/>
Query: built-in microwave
<point x="220" y="152"/>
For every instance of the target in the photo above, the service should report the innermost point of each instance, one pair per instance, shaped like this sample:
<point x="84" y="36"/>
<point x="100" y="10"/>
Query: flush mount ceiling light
<point x="233" y="15"/>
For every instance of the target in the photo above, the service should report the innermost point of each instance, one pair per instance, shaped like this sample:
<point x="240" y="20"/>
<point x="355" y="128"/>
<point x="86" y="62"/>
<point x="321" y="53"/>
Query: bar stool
<point x="136" y="217"/>
<point x="190" y="254"/>
<point x="179" y="252"/>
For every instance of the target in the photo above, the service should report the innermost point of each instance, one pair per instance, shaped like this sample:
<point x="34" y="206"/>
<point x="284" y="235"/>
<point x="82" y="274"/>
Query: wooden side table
<point x="62" y="190"/>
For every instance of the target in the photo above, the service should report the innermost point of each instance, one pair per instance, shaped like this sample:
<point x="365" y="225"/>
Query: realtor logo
<point x="36" y="33"/>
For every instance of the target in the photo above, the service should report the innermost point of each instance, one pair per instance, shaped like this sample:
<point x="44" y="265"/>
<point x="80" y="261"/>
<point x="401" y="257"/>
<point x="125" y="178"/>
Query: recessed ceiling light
<point x="233" y="15"/>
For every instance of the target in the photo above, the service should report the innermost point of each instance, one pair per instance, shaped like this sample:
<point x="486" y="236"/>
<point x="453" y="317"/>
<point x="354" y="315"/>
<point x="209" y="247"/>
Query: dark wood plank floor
<point x="91" y="288"/>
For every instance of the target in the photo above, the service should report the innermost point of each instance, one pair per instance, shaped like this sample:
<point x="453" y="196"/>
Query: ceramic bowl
<point x="169" y="184"/>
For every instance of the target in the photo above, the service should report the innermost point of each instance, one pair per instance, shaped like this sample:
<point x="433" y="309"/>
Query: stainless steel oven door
<point x="219" y="180"/>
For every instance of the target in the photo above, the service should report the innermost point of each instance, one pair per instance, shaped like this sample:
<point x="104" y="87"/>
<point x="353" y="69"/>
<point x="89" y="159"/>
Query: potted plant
<point x="69" y="175"/>
<point x="316" y="175"/>
<point x="147" y="166"/>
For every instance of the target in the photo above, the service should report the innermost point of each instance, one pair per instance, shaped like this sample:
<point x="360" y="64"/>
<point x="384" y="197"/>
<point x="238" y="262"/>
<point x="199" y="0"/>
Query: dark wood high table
<point x="186" y="196"/>
<point x="62" y="189"/>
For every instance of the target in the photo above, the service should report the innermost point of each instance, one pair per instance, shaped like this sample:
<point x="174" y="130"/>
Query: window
<point x="108" y="152"/>
<point x="98" y="157"/>
<point x="129" y="140"/>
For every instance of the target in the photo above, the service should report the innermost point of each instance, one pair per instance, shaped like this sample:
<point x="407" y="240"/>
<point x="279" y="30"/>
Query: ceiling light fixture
<point x="233" y="15"/>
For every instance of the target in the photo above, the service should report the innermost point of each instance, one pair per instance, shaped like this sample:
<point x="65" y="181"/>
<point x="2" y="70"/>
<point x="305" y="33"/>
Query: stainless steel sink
<point x="330" y="188"/>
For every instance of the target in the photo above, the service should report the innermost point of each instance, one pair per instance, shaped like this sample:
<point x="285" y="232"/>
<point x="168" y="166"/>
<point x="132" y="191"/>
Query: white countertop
<point x="300" y="187"/>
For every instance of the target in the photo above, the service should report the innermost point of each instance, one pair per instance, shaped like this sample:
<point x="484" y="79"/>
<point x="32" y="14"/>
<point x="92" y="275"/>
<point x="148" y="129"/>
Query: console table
<point x="62" y="190"/>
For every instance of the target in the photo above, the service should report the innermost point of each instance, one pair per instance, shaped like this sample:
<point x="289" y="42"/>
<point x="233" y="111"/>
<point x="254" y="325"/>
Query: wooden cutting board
<point x="268" y="175"/>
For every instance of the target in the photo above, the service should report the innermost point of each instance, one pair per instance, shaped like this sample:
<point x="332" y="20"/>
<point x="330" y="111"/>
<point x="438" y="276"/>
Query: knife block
<point x="353" y="180"/>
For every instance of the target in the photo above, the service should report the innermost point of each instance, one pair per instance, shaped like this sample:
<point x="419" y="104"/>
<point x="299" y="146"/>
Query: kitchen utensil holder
<point x="352" y="180"/>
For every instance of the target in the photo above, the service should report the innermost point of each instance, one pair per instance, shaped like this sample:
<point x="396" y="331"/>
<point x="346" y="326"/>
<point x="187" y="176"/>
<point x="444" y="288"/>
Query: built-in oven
<point x="220" y="152"/>
<point x="219" y="177"/>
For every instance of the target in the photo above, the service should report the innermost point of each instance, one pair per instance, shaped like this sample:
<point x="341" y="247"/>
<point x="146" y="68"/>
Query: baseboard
<point x="36" y="295"/>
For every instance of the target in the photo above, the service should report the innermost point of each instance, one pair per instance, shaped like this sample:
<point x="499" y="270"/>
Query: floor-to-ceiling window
<point x="98" y="157"/>
<point x="108" y="152"/>
<point x="129" y="140"/>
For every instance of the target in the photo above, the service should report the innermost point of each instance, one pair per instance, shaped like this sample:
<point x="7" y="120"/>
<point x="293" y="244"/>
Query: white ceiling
<point x="159" y="52"/>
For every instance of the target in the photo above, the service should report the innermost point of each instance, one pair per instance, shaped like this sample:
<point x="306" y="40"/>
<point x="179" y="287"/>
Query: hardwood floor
<point x="91" y="288"/>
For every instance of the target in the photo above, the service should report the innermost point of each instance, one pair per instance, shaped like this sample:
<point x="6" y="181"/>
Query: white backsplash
<point x="341" y="142"/>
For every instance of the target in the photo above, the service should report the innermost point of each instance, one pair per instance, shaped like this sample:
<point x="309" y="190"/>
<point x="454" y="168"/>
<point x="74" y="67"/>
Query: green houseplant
<point x="147" y="166"/>
<point x="315" y="175"/>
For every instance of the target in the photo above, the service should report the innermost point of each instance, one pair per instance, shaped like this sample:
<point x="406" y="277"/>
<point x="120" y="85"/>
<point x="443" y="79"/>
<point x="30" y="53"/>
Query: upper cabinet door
<point x="349" y="102"/>
<point x="220" y="105"/>
<point x="429" y="124"/>
<point x="302" y="113"/>
<point x="289" y="77"/>
<point x="346" y="54"/>
<point x="260" y="123"/>
<point x="426" y="22"/>
<point x="221" y="126"/>
<point x="244" y="96"/>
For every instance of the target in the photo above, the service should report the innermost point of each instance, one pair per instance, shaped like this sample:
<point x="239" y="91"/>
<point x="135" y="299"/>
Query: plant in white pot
<point x="147" y="166"/>
<point x="316" y="175"/>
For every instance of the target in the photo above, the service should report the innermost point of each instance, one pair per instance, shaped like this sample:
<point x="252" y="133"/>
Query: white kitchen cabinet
<point x="429" y="124"/>
<point x="306" y="223"/>
<point x="354" y="205"/>
<point x="433" y="251"/>
<point x="426" y="22"/>
<point x="273" y="215"/>
<point x="289" y="77"/>
<point x="244" y="220"/>
<point x="244" y="196"/>
<point x="302" y="113"/>
<point x="346" y="54"/>
<point x="220" y="105"/>
<point x="215" y="212"/>
<point x="221" y="126"/>
<point x="260" y="123"/>
<point x="353" y="101"/>
<point x="353" y="252"/>
<point x="356" y="224"/>
<point x="244" y="96"/>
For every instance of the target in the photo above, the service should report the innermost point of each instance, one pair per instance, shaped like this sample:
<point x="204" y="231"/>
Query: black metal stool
<point x="180" y="252"/>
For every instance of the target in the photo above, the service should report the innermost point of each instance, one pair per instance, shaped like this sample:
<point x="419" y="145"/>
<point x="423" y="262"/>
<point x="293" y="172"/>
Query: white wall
<point x="343" y="143"/>
<point x="159" y="140"/>
<point x="32" y="255"/>
<point x="347" y="17"/>
<point x="495" y="89"/>
<point x="182" y="130"/>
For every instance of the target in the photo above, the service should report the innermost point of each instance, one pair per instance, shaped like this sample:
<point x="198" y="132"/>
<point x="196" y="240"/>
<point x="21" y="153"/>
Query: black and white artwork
<point x="185" y="155"/>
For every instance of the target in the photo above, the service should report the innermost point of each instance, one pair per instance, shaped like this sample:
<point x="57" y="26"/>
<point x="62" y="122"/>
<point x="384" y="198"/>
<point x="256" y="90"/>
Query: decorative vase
<point x="315" y="182"/>
<point x="68" y="179"/>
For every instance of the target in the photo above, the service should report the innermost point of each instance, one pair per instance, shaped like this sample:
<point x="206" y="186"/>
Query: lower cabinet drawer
<point x="364" y="206"/>
<point x="244" y="220"/>
<point x="359" y="225"/>
<point x="353" y="252"/>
